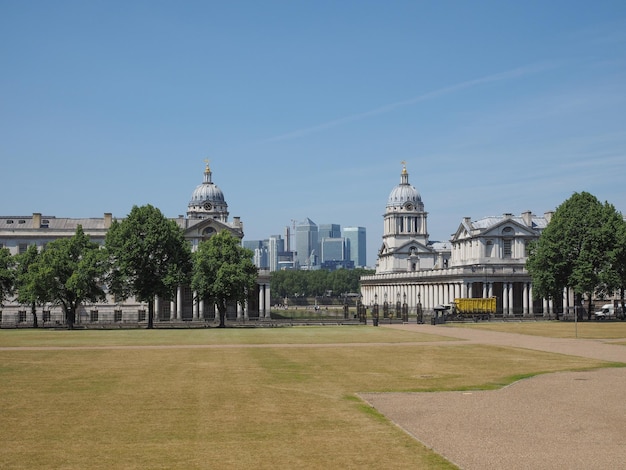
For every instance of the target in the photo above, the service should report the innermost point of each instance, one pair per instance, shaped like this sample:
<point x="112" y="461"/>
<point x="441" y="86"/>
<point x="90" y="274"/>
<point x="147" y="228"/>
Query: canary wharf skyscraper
<point x="355" y="241"/>
<point x="306" y="244"/>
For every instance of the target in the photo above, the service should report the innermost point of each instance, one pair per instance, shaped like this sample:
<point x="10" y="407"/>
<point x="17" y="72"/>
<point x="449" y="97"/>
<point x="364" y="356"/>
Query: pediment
<point x="205" y="228"/>
<point x="518" y="230"/>
<point x="413" y="247"/>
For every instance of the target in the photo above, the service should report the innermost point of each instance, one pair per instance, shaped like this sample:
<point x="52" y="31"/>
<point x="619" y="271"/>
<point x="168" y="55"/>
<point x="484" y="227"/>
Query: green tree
<point x="614" y="276"/>
<point x="7" y="275"/>
<point x="68" y="272"/>
<point x="148" y="257"/>
<point x="574" y="249"/>
<point x="223" y="272"/>
<point x="26" y="289"/>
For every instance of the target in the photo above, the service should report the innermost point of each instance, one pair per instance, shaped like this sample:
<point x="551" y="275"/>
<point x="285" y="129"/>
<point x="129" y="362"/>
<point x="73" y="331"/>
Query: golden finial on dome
<point x="403" y="166"/>
<point x="207" y="169"/>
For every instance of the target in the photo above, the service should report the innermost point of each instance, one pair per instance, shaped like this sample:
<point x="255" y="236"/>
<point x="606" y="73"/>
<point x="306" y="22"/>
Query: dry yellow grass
<point x="557" y="329"/>
<point x="268" y="406"/>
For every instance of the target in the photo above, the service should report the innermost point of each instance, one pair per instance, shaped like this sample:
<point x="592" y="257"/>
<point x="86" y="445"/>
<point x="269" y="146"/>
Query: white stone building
<point x="484" y="258"/>
<point x="207" y="214"/>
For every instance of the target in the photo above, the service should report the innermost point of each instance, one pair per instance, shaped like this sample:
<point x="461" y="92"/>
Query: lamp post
<point x="405" y="309"/>
<point x="398" y="305"/>
<point x="375" y="311"/>
<point x="420" y="317"/>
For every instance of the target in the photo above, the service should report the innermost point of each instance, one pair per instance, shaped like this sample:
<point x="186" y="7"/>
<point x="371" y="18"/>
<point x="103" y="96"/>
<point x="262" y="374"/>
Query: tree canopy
<point x="578" y="249"/>
<point x="68" y="272"/>
<point x="315" y="283"/>
<point x="26" y="289"/>
<point x="148" y="257"/>
<point x="7" y="275"/>
<point x="223" y="272"/>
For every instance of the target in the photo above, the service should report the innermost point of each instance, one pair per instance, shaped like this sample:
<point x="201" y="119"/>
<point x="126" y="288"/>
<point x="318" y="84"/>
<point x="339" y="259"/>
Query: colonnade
<point x="513" y="297"/>
<point x="200" y="309"/>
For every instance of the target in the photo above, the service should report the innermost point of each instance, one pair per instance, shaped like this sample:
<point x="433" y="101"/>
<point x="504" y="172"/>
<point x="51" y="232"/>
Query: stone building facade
<point x="483" y="258"/>
<point x="207" y="214"/>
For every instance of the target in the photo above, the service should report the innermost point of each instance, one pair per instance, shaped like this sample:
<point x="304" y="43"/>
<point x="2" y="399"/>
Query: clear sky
<point x="307" y="108"/>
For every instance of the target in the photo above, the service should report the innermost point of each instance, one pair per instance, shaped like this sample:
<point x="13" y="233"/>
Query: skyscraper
<point x="306" y="243"/>
<point x="356" y="245"/>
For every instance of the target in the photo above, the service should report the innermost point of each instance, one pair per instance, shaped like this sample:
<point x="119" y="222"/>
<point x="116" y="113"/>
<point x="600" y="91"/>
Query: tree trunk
<point x="589" y="309"/>
<point x="33" y="310"/>
<point x="70" y="317"/>
<point x="151" y="314"/>
<point x="221" y="308"/>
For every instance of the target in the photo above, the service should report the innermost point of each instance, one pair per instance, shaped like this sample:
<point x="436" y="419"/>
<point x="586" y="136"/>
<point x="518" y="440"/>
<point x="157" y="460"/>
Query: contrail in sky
<point x="496" y="77"/>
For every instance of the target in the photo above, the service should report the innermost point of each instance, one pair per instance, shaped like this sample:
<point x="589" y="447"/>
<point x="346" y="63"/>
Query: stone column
<point x="179" y="303"/>
<point x="511" y="303"/>
<point x="525" y="299"/>
<point x="505" y="299"/>
<point x="196" y="306"/>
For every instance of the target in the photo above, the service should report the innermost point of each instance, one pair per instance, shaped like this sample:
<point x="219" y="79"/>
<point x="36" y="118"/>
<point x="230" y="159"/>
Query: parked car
<point x="610" y="311"/>
<point x="607" y="311"/>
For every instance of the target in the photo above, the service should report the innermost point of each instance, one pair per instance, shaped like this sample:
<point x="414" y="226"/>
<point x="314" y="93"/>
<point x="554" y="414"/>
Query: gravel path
<point x="565" y="420"/>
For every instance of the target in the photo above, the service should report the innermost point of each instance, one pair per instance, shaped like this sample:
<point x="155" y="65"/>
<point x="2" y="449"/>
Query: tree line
<point x="290" y="283"/>
<point x="144" y="255"/>
<point x="583" y="248"/>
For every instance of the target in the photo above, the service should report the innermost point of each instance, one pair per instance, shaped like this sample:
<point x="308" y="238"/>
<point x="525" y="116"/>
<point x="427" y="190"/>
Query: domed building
<point x="484" y="259"/>
<point x="207" y="214"/>
<point x="207" y="200"/>
<point x="405" y="236"/>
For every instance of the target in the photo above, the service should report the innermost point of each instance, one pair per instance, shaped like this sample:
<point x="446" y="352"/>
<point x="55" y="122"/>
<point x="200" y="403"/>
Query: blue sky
<point x="306" y="109"/>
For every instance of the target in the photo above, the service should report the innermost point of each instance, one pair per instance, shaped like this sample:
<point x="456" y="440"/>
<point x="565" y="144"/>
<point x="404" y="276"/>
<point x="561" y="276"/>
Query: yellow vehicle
<point x="477" y="308"/>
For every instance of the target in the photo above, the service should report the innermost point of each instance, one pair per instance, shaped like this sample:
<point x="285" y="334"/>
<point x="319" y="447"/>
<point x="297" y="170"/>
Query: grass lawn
<point x="231" y="405"/>
<point x="557" y="329"/>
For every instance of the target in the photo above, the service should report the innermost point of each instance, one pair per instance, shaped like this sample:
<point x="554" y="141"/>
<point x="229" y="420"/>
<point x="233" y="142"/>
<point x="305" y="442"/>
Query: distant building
<point x="356" y="248"/>
<point x="260" y="250"/>
<point x="484" y="258"/>
<point x="328" y="231"/>
<point x="306" y="244"/>
<point x="207" y="214"/>
<point x="332" y="249"/>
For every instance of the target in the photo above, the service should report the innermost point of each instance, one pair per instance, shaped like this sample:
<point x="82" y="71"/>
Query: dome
<point x="207" y="200"/>
<point x="404" y="193"/>
<point x="207" y="191"/>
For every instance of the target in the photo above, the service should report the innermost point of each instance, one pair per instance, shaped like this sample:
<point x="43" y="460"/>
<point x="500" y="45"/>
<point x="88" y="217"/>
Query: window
<point x="93" y="316"/>
<point x="22" y="247"/>
<point x="117" y="316"/>
<point x="507" y="242"/>
<point x="507" y="248"/>
<point x="141" y="315"/>
<point x="46" y="316"/>
<point x="21" y="316"/>
<point x="489" y="249"/>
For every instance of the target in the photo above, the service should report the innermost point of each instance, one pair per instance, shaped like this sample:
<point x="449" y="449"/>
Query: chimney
<point x="528" y="218"/>
<point x="108" y="218"/>
<point x="36" y="220"/>
<point x="548" y="215"/>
